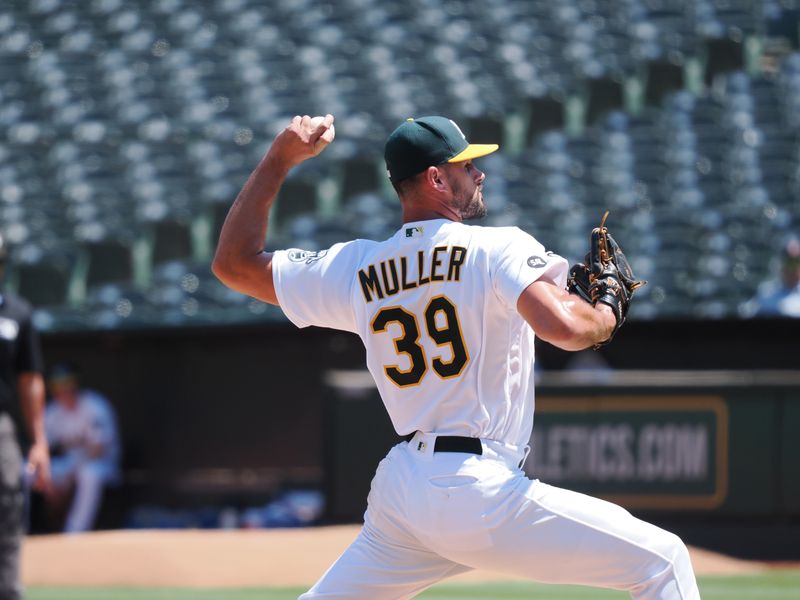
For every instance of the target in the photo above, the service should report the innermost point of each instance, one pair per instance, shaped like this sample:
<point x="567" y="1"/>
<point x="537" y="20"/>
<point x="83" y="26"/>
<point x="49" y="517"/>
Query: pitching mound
<point x="263" y="558"/>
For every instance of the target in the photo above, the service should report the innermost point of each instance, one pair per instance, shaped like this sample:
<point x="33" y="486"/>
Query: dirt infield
<point x="263" y="558"/>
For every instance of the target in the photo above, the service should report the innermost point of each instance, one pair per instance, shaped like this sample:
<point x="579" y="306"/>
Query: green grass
<point x="778" y="585"/>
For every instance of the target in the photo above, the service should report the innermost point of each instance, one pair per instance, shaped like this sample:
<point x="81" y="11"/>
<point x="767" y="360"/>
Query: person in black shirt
<point x="20" y="378"/>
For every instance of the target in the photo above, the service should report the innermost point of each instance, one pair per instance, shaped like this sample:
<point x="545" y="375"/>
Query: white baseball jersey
<point x="92" y="421"/>
<point x="435" y="306"/>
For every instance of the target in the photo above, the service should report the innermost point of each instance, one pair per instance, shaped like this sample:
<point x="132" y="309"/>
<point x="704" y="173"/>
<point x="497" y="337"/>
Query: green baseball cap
<point x="420" y="143"/>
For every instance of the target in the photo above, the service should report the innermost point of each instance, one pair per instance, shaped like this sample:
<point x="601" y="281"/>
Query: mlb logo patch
<point x="414" y="232"/>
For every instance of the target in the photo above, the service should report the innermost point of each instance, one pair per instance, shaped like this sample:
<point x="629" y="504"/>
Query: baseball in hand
<point x="328" y="135"/>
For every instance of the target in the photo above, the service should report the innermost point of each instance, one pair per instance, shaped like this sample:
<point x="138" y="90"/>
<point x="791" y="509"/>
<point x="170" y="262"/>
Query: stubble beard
<point x="470" y="206"/>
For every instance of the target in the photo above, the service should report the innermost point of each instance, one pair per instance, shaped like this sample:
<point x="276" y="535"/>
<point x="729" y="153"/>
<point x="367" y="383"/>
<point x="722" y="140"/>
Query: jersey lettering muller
<point x="391" y="276"/>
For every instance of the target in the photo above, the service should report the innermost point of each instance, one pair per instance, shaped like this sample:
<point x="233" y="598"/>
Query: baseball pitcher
<point x="448" y="314"/>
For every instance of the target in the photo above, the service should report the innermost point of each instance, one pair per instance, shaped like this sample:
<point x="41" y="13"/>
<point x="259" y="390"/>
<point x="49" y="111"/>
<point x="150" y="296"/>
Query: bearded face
<point x="467" y="184"/>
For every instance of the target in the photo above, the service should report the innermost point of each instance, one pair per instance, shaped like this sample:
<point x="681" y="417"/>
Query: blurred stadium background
<point x="128" y="126"/>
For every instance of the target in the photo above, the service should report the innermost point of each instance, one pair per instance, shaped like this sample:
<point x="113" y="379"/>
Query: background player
<point x="447" y="313"/>
<point x="780" y="298"/>
<point x="83" y="435"/>
<point x="20" y="376"/>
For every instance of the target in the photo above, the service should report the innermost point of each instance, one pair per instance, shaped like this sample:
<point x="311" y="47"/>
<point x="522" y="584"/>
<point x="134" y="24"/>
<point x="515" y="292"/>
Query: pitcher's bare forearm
<point x="240" y="261"/>
<point x="563" y="319"/>
<point x="245" y="228"/>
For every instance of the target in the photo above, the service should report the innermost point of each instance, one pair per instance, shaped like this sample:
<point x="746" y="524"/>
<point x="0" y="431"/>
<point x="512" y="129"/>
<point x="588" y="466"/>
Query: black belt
<point x="455" y="443"/>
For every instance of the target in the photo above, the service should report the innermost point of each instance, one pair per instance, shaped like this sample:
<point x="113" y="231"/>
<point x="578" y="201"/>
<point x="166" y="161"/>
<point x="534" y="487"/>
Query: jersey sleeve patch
<point x="314" y="287"/>
<point x="296" y="255"/>
<point x="536" y="262"/>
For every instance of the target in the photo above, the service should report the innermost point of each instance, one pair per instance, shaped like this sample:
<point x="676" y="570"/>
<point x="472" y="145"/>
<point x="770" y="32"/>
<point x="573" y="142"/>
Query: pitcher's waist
<point x="429" y="444"/>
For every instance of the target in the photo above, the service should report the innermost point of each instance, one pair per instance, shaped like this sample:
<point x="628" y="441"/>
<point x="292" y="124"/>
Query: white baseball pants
<point x="434" y="515"/>
<point x="90" y="477"/>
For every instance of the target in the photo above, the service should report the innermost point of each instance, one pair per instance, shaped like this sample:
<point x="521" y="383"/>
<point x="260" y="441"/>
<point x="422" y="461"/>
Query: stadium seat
<point x="663" y="77"/>
<point x="297" y="196"/>
<point x="360" y="174"/>
<point x="544" y="114"/>
<point x="605" y="95"/>
<point x="172" y="239"/>
<point x="722" y="55"/>
<point x="43" y="284"/>
<point x="109" y="261"/>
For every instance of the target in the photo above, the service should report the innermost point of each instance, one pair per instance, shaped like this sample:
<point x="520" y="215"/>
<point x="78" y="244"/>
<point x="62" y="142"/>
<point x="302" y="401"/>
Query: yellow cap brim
<point x="474" y="151"/>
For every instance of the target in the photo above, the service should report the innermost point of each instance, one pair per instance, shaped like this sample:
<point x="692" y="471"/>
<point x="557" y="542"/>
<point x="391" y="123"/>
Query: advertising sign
<point x="649" y="452"/>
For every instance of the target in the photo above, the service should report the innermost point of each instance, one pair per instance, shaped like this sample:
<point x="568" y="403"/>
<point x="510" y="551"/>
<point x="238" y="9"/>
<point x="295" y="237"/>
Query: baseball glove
<point x="606" y="276"/>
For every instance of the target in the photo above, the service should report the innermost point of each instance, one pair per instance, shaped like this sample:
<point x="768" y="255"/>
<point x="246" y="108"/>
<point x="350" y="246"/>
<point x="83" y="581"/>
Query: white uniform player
<point x="448" y="314"/>
<point x="82" y="431"/>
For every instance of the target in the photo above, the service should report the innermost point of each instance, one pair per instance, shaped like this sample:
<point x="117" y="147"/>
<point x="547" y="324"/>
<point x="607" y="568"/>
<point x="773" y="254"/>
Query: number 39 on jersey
<point x="441" y="324"/>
